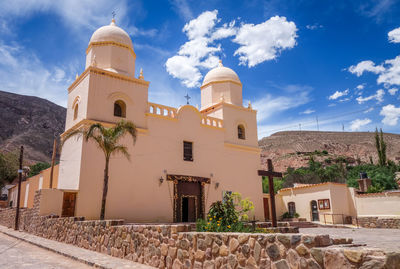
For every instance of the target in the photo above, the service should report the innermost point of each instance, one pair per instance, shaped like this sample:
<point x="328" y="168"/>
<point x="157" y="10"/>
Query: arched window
<point x="75" y="111"/>
<point x="291" y="209"/>
<point x="241" y="132"/>
<point x="120" y="109"/>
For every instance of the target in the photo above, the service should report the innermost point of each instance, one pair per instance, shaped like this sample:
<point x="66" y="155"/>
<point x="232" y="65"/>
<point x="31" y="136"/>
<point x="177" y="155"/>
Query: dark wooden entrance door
<point x="266" y="208"/>
<point x="314" y="211"/>
<point x="189" y="201"/>
<point x="68" y="208"/>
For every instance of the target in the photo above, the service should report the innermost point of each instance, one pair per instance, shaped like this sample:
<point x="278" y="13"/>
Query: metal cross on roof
<point x="187" y="98"/>
<point x="113" y="14"/>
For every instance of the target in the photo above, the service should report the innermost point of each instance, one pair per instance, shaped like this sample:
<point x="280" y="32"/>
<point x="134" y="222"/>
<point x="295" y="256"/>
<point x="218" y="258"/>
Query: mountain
<point x="32" y="122"/>
<point x="293" y="148"/>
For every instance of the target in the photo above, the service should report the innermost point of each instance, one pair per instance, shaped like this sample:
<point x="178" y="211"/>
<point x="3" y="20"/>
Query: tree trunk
<point x="105" y="189"/>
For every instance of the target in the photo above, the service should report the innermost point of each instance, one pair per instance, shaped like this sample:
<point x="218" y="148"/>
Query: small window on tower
<point x="76" y="111"/>
<point x="241" y="132"/>
<point x="120" y="109"/>
<point x="187" y="151"/>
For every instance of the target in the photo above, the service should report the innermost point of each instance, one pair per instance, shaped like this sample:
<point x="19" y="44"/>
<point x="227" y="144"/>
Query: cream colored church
<point x="184" y="158"/>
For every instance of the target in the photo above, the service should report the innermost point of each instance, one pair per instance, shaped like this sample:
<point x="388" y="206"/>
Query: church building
<point x="184" y="159"/>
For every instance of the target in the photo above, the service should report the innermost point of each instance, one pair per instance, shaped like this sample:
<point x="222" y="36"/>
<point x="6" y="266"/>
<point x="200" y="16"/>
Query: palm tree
<point x="107" y="140"/>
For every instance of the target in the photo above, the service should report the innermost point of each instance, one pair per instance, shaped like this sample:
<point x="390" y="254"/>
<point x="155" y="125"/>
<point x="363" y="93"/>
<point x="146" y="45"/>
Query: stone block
<point x="334" y="259"/>
<point x="281" y="264"/>
<point x="353" y="255"/>
<point x="273" y="251"/>
<point x="223" y="250"/>
<point x="302" y="250"/>
<point x="233" y="245"/>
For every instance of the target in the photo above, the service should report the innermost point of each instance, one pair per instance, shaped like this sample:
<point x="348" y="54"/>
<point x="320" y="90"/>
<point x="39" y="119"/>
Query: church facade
<point x="184" y="158"/>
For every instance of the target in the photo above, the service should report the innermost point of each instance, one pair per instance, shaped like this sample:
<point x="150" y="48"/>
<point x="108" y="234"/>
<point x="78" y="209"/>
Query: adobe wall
<point x="174" y="246"/>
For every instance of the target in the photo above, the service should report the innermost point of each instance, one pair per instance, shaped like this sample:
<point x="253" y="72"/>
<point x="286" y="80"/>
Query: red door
<point x="266" y="208"/>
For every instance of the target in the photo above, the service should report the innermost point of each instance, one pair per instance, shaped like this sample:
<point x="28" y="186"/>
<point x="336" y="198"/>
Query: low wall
<point x="384" y="204"/>
<point x="174" y="246"/>
<point x="377" y="222"/>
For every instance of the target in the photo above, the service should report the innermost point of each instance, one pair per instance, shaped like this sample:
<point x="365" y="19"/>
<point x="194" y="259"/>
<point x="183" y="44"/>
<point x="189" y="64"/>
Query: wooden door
<point x="68" y="208"/>
<point x="266" y="208"/>
<point x="314" y="211"/>
<point x="188" y="205"/>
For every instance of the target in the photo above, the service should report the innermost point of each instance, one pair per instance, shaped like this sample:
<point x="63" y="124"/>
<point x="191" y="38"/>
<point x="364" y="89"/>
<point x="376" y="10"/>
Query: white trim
<point x="26" y="195"/>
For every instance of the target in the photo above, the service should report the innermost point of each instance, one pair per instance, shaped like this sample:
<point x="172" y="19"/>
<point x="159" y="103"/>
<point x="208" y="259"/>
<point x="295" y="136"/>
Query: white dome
<point x="220" y="73"/>
<point x="111" y="33"/>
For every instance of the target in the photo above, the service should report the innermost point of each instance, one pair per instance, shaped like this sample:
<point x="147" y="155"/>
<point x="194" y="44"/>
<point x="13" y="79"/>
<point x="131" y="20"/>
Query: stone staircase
<point x="303" y="224"/>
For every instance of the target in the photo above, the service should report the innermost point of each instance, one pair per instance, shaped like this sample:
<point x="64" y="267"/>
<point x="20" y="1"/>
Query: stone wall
<point x="377" y="222"/>
<point x="174" y="246"/>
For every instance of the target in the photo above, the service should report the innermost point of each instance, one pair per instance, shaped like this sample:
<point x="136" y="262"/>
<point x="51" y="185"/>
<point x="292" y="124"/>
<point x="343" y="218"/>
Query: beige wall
<point x="378" y="205"/>
<point x="135" y="193"/>
<point x="33" y="183"/>
<point x="51" y="202"/>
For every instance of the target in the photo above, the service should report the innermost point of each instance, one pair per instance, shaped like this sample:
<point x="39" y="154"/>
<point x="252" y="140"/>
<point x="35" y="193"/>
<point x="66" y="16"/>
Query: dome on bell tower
<point x="113" y="33"/>
<point x="221" y="73"/>
<point x="221" y="84"/>
<point x="110" y="48"/>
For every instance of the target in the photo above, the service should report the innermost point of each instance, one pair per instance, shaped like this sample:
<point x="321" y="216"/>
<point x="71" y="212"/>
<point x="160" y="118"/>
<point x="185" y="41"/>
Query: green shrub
<point x="227" y="215"/>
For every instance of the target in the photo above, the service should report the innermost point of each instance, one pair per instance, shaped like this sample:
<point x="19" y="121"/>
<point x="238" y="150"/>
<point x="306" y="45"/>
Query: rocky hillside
<point x="293" y="148"/>
<point x="31" y="122"/>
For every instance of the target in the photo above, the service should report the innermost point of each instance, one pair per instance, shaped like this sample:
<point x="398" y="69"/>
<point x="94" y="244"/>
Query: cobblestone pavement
<point x="387" y="239"/>
<point x="15" y="253"/>
<point x="73" y="257"/>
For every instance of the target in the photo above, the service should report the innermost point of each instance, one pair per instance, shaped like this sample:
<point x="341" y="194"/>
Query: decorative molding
<point x="243" y="147"/>
<point x="120" y="96"/>
<point x="112" y="43"/>
<point x="184" y="178"/>
<point x="99" y="71"/>
<point x="221" y="81"/>
<point x="86" y="122"/>
<point x="220" y="104"/>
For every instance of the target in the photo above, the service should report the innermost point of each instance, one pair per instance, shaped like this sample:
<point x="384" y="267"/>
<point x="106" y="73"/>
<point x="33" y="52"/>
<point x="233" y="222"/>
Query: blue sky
<point x="297" y="60"/>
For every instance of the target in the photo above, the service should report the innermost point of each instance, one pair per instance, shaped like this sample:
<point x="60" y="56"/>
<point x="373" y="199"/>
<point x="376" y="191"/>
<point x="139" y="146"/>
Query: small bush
<point x="227" y="215"/>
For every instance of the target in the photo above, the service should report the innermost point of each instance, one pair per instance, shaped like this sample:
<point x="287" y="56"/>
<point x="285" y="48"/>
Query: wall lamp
<point x="216" y="185"/>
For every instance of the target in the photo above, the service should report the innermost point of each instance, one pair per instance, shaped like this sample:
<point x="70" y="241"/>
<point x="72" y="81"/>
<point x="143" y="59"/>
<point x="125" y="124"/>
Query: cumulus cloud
<point x="393" y="91"/>
<point x="338" y="94"/>
<point x="363" y="66"/>
<point x="377" y="96"/>
<point x="358" y="123"/>
<point x="307" y="111"/>
<point x="264" y="41"/>
<point x="199" y="52"/>
<point x="391" y="115"/>
<point x="391" y="75"/>
<point x="394" y="35"/>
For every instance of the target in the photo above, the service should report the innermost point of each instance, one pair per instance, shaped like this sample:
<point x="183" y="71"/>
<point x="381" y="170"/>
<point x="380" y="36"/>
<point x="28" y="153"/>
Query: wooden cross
<point x="271" y="174"/>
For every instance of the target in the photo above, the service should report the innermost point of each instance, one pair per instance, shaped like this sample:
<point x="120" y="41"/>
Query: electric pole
<point x="317" y="124"/>
<point x="19" y="187"/>
<point x="53" y="158"/>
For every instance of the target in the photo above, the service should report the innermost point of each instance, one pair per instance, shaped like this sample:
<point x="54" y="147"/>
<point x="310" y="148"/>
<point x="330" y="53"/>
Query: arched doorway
<point x="314" y="211"/>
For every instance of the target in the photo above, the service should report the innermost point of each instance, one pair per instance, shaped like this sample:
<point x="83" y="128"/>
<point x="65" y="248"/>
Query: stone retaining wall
<point x="174" y="246"/>
<point x="376" y="222"/>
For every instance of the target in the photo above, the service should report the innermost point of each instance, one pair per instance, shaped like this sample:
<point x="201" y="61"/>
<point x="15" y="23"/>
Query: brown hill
<point x="293" y="148"/>
<point x="32" y="122"/>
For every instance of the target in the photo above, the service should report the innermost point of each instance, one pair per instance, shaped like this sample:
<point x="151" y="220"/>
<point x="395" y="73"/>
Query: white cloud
<point x="268" y="105"/>
<point x="338" y="94"/>
<point x="199" y="52"/>
<point x="391" y="75"/>
<point x="363" y="66"/>
<point x="360" y="87"/>
<point x="74" y="13"/>
<point x="264" y="41"/>
<point x="183" y="9"/>
<point x="394" y="35"/>
<point x="358" y="123"/>
<point x="393" y="91"/>
<point x="368" y="110"/>
<point x="378" y="96"/>
<point x="391" y="115"/>
<point x="314" y="26"/>
<point x="23" y="73"/>
<point x="196" y="53"/>
<point x="307" y="111"/>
